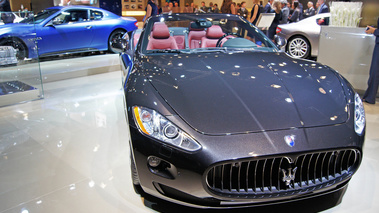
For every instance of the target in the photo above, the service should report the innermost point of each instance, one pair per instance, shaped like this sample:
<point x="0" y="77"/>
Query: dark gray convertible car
<point x="219" y="117"/>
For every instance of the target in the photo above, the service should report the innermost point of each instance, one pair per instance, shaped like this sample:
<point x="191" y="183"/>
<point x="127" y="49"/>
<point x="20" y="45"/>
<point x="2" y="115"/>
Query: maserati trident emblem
<point x="290" y="140"/>
<point x="290" y="176"/>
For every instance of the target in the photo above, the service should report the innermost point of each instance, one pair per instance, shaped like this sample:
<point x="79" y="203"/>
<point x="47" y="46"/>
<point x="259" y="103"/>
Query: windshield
<point x="40" y="17"/>
<point x="193" y="33"/>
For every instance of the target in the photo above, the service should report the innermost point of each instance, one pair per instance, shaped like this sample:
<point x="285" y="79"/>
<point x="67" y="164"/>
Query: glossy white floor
<point x="69" y="153"/>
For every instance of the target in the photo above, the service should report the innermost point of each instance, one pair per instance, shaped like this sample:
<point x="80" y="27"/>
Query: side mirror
<point x="280" y="42"/>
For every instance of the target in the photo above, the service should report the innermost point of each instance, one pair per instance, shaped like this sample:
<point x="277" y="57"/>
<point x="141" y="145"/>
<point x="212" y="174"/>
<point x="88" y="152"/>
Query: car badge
<point x="290" y="140"/>
<point x="290" y="176"/>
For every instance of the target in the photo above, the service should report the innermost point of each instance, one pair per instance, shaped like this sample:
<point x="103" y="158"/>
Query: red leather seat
<point x="180" y="41"/>
<point x="211" y="37"/>
<point x="194" y="37"/>
<point x="160" y="38"/>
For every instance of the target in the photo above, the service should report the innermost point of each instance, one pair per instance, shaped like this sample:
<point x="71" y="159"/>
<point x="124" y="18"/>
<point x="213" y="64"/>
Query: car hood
<point x="238" y="93"/>
<point x="17" y="28"/>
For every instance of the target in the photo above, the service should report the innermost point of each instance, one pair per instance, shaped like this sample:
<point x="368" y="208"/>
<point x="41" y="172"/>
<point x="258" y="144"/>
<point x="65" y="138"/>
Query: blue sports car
<point x="71" y="29"/>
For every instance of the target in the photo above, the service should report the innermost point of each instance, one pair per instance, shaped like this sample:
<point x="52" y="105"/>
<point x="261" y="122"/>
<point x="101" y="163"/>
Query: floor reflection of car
<point x="7" y="55"/>
<point x="219" y="117"/>
<point x="70" y="29"/>
<point x="303" y="36"/>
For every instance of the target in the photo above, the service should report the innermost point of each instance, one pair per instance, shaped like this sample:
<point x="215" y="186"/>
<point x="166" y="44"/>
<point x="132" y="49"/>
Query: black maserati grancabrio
<point x="219" y="117"/>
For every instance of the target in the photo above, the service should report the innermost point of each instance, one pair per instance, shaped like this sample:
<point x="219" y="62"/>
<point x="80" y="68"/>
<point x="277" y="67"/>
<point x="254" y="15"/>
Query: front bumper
<point x="184" y="178"/>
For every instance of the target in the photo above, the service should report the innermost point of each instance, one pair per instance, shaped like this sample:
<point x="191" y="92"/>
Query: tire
<point x="114" y="41"/>
<point x="18" y="45"/>
<point x="299" y="47"/>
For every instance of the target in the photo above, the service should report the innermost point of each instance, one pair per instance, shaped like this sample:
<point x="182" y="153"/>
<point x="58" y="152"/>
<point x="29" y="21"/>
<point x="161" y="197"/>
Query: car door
<point x="71" y="30"/>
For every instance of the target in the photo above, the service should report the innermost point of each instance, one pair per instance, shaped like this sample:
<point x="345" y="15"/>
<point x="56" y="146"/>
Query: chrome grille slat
<point x="322" y="166"/>
<point x="265" y="175"/>
<point x="255" y="177"/>
<point x="222" y="177"/>
<point x="280" y="164"/>
<point x="247" y="177"/>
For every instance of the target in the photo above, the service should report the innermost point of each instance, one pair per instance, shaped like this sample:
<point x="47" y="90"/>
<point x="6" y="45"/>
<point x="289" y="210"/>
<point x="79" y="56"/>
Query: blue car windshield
<point x="40" y="17"/>
<point x="194" y="33"/>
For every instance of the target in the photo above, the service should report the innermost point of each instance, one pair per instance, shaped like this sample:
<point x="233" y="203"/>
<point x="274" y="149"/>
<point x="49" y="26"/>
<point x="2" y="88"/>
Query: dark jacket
<point x="376" y="33"/>
<point x="242" y="12"/>
<point x="309" y="12"/>
<point x="295" y="16"/>
<point x="267" y="8"/>
<point x="323" y="9"/>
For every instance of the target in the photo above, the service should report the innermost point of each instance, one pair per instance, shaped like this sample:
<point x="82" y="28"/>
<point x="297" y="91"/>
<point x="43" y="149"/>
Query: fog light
<point x="153" y="161"/>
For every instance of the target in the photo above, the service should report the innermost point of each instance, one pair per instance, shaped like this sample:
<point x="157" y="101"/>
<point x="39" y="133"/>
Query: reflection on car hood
<point x="239" y="93"/>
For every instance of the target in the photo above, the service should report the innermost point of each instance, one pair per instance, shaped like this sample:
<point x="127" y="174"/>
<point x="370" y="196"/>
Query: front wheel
<point x="18" y="45"/>
<point x="115" y="41"/>
<point x="299" y="47"/>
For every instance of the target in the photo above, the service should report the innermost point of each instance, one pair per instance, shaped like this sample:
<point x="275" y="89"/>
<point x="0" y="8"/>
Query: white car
<point x="303" y="36"/>
<point x="16" y="19"/>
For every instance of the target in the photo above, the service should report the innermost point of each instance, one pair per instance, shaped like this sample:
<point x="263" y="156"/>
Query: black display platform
<point x="12" y="92"/>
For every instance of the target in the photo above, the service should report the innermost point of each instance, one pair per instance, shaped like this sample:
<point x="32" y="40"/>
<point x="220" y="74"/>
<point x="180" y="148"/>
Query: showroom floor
<point x="69" y="153"/>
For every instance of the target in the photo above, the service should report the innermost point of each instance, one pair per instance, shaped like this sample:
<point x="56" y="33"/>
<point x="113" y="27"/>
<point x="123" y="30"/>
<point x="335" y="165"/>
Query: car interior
<point x="163" y="37"/>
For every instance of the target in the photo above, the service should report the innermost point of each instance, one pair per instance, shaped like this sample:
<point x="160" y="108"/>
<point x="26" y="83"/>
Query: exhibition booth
<point x="64" y="126"/>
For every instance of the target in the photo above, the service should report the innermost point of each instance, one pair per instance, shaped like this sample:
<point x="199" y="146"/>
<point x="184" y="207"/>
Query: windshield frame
<point x="145" y="36"/>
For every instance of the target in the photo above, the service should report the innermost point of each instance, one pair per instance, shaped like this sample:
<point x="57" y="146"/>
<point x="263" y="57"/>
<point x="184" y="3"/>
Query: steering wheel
<point x="218" y="44"/>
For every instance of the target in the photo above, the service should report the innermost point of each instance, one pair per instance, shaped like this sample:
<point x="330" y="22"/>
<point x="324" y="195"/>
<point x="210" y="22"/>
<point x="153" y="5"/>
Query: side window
<point x="96" y="15"/>
<point x="323" y="21"/>
<point x="72" y="16"/>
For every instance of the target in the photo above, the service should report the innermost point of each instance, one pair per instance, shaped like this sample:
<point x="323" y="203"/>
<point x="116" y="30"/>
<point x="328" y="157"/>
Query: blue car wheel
<point x="115" y="41"/>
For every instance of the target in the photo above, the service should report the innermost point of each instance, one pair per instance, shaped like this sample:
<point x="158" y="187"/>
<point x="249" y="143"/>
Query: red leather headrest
<point x="160" y="31"/>
<point x="214" y="32"/>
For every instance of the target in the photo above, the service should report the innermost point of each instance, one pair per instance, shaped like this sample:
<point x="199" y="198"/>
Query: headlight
<point x="359" y="116"/>
<point x="155" y="125"/>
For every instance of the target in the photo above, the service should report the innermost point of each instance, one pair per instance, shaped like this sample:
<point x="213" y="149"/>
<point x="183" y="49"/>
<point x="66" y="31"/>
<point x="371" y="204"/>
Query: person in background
<point x="255" y="12"/>
<point x="301" y="15"/>
<point x="227" y="7"/>
<point x="215" y="9"/>
<point x="296" y="13"/>
<point x="203" y="8"/>
<point x="196" y="9"/>
<point x="187" y="9"/>
<point x="165" y="5"/>
<point x="373" y="81"/>
<point x="277" y="9"/>
<point x="7" y="17"/>
<point x="151" y="9"/>
<point x="243" y="11"/>
<point x="290" y="6"/>
<point x="285" y="12"/>
<point x="323" y="8"/>
<point x="310" y="11"/>
<point x="236" y="7"/>
<point x="210" y="8"/>
<point x="268" y="6"/>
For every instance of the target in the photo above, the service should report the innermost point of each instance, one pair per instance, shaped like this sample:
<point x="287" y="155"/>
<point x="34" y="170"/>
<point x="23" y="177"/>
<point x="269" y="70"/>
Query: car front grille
<point x="282" y="175"/>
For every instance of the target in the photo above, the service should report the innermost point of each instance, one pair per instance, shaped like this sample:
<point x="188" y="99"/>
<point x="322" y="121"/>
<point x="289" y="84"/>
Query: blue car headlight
<point x="359" y="116"/>
<point x="155" y="125"/>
